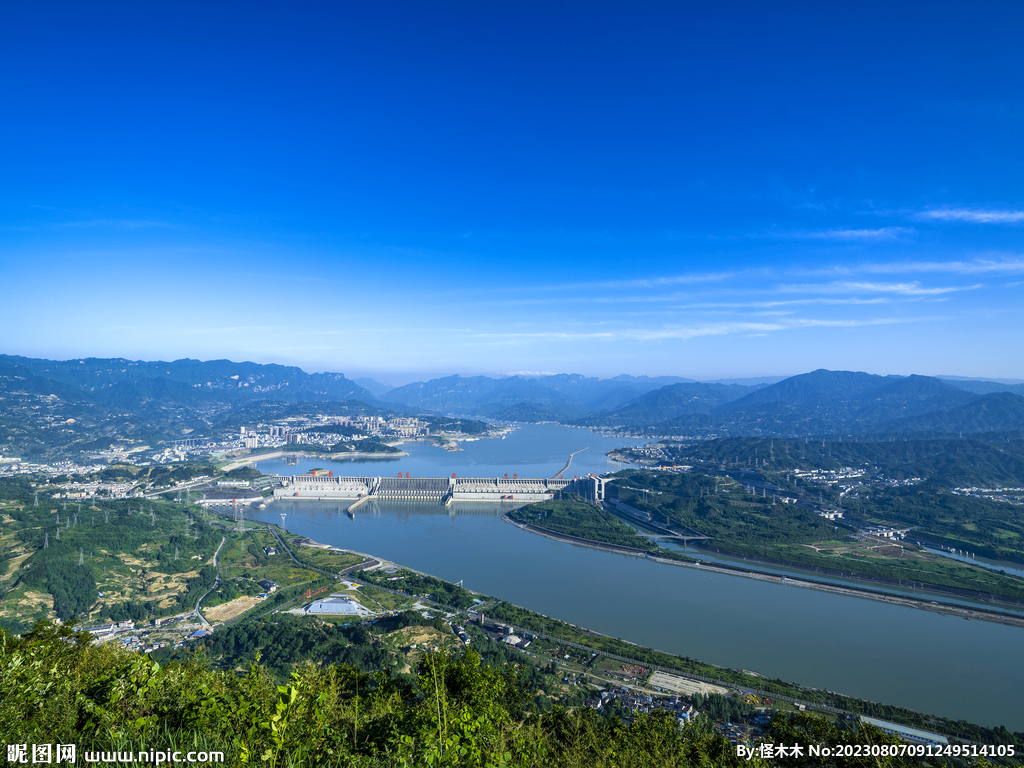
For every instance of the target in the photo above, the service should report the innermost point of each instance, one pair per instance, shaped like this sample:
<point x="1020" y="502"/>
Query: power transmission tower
<point x="37" y="499"/>
<point x="46" y="539"/>
<point x="81" y="556"/>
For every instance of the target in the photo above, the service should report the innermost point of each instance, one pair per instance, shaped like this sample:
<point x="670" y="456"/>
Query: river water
<point x="962" y="669"/>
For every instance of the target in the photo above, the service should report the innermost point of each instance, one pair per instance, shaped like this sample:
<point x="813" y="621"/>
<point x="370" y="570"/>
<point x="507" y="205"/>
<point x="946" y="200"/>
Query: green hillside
<point x="58" y="687"/>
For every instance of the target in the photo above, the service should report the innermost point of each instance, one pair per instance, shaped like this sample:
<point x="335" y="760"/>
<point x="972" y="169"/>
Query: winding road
<point x="216" y="583"/>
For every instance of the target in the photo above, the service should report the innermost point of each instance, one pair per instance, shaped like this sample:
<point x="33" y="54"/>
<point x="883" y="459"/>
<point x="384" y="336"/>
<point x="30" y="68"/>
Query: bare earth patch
<point x="14" y="564"/>
<point x="231" y="610"/>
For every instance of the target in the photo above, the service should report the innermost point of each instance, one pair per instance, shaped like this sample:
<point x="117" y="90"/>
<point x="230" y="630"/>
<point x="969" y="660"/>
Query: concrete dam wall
<point x="441" y="489"/>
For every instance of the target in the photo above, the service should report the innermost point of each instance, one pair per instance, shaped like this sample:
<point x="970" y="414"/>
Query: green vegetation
<point x="979" y="461"/>
<point x="418" y="585"/>
<point x="578" y="518"/>
<point x="159" y="475"/>
<point x="718" y="507"/>
<point x="133" y="559"/>
<point x="57" y="687"/>
<point x="558" y="630"/>
<point x="449" y="424"/>
<point x="283" y="644"/>
<point x="987" y="528"/>
<point x="324" y="558"/>
<point x="751" y="525"/>
<point x="144" y="556"/>
<point x="368" y="445"/>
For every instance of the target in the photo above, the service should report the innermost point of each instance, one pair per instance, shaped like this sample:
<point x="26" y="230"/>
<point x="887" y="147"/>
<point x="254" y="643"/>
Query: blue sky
<point x="405" y="189"/>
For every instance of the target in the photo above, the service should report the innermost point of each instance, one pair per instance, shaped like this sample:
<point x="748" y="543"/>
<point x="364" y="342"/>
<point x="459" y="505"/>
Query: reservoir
<point x="961" y="669"/>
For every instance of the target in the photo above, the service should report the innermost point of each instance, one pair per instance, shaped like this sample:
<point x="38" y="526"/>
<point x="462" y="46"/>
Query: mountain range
<point x="817" y="403"/>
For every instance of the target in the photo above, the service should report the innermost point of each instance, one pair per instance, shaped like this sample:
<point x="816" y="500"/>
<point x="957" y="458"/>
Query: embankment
<point x="979" y="614"/>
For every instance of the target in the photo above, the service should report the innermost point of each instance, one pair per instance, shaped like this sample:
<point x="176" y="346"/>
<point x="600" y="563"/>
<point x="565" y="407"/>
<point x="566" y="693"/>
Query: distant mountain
<point x="561" y="395"/>
<point x="651" y="382"/>
<point x="45" y="399"/>
<point x="669" y="403"/>
<point x="18" y="380"/>
<point x="377" y="388"/>
<point x="749" y="382"/>
<point x="821" y="402"/>
<point x="154" y="394"/>
<point x="982" y="387"/>
<point x="451" y="394"/>
<point x="528" y="412"/>
<point x="815" y="388"/>
<point x="229" y="380"/>
<point x="998" y="412"/>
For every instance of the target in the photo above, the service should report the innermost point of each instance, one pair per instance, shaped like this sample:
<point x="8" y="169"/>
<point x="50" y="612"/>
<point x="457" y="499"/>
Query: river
<point x="962" y="669"/>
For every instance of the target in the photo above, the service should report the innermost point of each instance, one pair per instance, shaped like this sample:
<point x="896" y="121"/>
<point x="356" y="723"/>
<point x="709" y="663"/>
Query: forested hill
<point x="950" y="462"/>
<point x="670" y="402"/>
<point x="561" y="396"/>
<point x="455" y="711"/>
<point x="117" y="380"/>
<point x="150" y="397"/>
<point x="820" y="403"/>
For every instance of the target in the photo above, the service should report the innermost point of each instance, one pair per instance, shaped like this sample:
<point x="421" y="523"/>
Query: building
<point x="336" y="605"/>
<point x="905" y="732"/>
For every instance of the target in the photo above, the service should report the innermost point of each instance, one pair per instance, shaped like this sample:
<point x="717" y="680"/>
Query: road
<point x="216" y="583"/>
<point x="177" y="488"/>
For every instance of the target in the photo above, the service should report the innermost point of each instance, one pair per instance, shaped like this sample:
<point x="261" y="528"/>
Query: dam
<point x="445" y="490"/>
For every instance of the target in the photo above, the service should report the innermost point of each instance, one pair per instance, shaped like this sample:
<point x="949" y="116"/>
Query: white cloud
<point x="912" y="288"/>
<point x="782" y="303"/>
<point x="978" y="266"/>
<point x="974" y="216"/>
<point x="855" y="235"/>
<point x="699" y="277"/>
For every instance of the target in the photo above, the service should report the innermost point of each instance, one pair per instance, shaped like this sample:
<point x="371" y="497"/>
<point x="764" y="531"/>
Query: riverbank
<point x="978" y="614"/>
<point x="949" y="592"/>
<point x="256" y="457"/>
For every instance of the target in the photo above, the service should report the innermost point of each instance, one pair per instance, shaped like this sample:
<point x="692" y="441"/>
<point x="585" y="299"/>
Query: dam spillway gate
<point x="439" y="489"/>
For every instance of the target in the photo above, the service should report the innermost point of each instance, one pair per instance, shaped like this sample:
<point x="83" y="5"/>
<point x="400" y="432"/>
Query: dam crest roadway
<point x="439" y="489"/>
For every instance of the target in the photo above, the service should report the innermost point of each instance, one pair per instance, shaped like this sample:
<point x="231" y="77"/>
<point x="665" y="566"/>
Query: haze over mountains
<point x="816" y="403"/>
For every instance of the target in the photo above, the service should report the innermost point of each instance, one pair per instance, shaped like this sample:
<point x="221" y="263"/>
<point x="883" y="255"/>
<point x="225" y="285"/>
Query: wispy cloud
<point x="853" y="235"/>
<point x="122" y="223"/>
<point x="783" y="303"/>
<point x="912" y="288"/>
<point x="975" y="216"/>
<point x="655" y="282"/>
<point x="684" y="332"/>
<point x="975" y="267"/>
